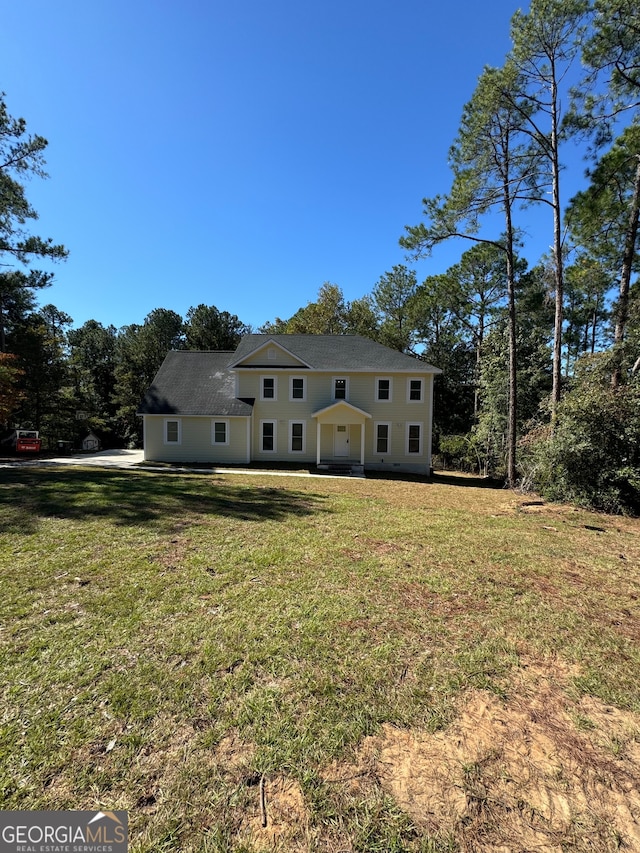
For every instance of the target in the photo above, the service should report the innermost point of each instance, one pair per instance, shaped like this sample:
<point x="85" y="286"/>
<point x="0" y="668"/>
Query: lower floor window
<point x="414" y="438"/>
<point x="220" y="432"/>
<point x="171" y="432"/>
<point x="296" y="443"/>
<point x="268" y="436"/>
<point x="382" y="438"/>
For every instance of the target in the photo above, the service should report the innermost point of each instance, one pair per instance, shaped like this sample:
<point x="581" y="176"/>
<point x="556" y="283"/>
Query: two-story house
<point x="308" y="399"/>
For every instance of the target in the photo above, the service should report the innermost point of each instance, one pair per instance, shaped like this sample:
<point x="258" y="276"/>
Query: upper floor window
<point x="268" y="388"/>
<point x="415" y="390"/>
<point x="340" y="388"/>
<point x="172" y="431"/>
<point x="383" y="390"/>
<point x="297" y="388"/>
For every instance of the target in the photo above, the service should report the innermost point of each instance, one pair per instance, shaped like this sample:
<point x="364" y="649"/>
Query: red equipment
<point x="27" y="441"/>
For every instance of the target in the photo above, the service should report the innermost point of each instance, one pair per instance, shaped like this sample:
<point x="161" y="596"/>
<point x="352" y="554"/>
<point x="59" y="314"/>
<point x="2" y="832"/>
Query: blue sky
<point x="240" y="154"/>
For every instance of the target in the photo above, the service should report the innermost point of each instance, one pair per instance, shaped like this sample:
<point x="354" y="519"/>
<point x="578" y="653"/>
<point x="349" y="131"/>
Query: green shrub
<point x="457" y="451"/>
<point x="592" y="457"/>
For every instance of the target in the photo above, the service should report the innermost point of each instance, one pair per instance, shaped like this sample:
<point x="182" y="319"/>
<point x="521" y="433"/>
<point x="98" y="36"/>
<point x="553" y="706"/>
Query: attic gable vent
<point x="271" y="353"/>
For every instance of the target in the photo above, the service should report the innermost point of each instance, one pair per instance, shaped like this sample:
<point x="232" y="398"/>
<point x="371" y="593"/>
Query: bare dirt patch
<point x="233" y="754"/>
<point x="538" y="771"/>
<point x="281" y="820"/>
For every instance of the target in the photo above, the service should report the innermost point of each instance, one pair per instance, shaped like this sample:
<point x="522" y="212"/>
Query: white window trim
<point x="275" y="435"/>
<point x="409" y="381"/>
<point x="375" y="438"/>
<point x="167" y="421"/>
<point x="304" y="436"/>
<point x="275" y="389"/>
<point x="302" y="399"/>
<point x="389" y="379"/>
<point x="406" y="446"/>
<point x="346" y="388"/>
<point x="215" y="421"/>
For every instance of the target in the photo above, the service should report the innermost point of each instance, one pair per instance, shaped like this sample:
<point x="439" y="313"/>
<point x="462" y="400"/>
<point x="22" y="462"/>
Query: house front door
<point x="341" y="442"/>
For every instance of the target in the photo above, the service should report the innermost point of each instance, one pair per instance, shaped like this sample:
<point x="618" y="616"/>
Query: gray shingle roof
<point x="194" y="383"/>
<point x="202" y="383"/>
<point x="337" y="352"/>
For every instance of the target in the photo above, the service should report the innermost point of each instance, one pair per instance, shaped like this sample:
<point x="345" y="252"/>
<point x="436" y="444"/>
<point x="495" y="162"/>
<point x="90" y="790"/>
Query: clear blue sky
<point x="239" y="154"/>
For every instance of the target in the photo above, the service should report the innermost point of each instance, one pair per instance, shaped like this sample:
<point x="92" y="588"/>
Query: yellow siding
<point x="283" y="415"/>
<point x="361" y="393"/>
<point x="195" y="444"/>
<point x="282" y="359"/>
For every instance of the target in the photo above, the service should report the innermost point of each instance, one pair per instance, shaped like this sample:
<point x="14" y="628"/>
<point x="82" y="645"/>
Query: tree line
<point x="540" y="357"/>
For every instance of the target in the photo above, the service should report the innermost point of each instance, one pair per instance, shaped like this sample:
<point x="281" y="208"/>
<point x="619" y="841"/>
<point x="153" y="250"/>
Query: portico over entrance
<point x="340" y="433"/>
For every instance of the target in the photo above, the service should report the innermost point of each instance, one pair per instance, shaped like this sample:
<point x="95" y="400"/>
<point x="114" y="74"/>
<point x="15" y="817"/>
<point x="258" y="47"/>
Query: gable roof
<point x="194" y="383"/>
<point x="203" y="383"/>
<point x="265" y="343"/>
<point x="342" y="353"/>
<point x="340" y="405"/>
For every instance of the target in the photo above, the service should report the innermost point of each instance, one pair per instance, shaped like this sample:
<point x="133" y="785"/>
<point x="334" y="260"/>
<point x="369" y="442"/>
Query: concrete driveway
<point x="131" y="458"/>
<point x="101" y="459"/>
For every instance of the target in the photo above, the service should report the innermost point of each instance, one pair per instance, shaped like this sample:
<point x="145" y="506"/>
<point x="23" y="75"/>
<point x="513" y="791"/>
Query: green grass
<point x="144" y="618"/>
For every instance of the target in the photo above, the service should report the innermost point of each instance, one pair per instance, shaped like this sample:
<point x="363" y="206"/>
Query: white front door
<point x="341" y="442"/>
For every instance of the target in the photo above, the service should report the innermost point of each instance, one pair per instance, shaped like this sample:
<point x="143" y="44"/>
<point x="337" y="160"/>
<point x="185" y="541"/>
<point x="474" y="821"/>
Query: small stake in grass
<point x="263" y="803"/>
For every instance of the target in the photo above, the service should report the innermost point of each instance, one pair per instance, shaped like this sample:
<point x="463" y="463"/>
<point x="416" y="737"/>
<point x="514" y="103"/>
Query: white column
<point x="318" y="426"/>
<point x="429" y="435"/>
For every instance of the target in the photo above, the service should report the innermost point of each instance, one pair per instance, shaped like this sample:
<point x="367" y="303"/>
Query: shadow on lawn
<point x="470" y="480"/>
<point x="129" y="498"/>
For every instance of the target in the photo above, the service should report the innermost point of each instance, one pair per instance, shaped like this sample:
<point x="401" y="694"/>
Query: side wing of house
<point x="191" y="412"/>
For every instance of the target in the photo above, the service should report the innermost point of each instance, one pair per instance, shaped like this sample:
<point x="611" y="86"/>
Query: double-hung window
<point x="172" y="431"/>
<point x="268" y="436"/>
<point x="297" y="388"/>
<point x="383" y="390"/>
<point x="220" y="432"/>
<point x="340" y="388"/>
<point x="414" y="439"/>
<point x="296" y="436"/>
<point x="382" y="438"/>
<point x="414" y="390"/>
<point x="268" y="388"/>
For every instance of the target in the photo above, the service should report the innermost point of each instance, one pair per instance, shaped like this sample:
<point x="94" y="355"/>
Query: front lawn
<point x="247" y="662"/>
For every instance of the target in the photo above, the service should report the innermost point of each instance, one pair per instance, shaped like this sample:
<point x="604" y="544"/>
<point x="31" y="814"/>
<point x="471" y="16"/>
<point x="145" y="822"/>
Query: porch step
<point x="343" y="469"/>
